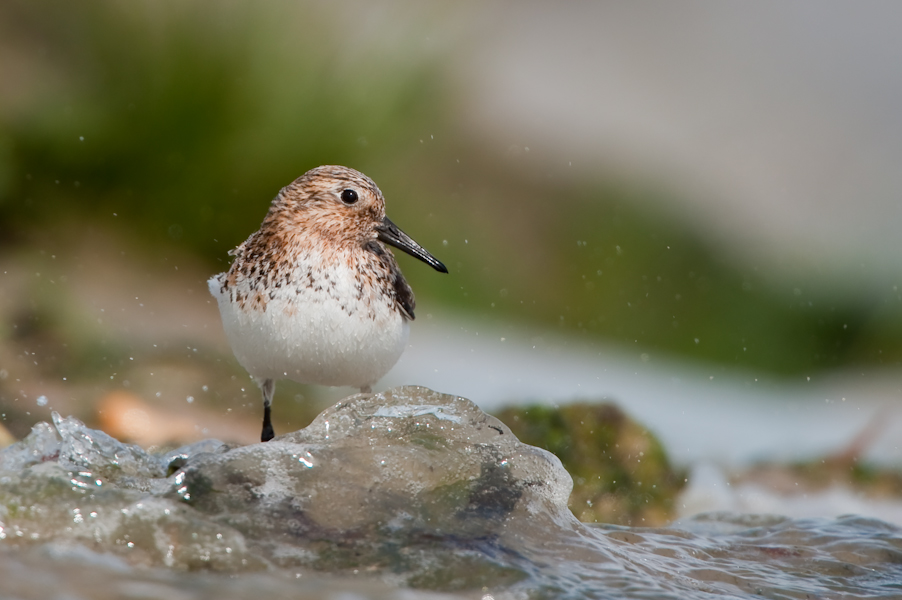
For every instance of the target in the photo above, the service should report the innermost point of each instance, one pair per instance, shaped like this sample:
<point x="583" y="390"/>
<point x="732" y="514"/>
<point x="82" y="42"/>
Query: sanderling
<point x="314" y="295"/>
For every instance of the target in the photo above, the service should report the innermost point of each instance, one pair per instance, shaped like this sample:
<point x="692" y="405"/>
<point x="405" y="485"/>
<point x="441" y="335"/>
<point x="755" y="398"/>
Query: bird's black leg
<point x="268" y="386"/>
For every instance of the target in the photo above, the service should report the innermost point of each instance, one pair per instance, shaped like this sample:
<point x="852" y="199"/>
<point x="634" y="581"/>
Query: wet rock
<point x="414" y="485"/>
<point x="388" y="482"/>
<point x="620" y="470"/>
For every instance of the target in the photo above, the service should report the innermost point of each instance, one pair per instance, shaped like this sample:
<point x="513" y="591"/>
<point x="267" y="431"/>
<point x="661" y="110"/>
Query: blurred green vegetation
<point x="184" y="122"/>
<point x="178" y="123"/>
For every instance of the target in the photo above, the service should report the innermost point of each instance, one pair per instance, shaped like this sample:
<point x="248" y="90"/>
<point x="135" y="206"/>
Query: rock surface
<point x="409" y="482"/>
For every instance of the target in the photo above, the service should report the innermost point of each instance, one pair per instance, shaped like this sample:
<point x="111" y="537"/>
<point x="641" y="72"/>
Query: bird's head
<point x="340" y="206"/>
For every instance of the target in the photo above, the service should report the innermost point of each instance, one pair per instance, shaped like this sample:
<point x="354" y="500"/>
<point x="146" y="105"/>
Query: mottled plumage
<point x="314" y="295"/>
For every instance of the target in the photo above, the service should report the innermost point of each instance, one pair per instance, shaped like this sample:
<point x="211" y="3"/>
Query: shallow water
<point x="379" y="496"/>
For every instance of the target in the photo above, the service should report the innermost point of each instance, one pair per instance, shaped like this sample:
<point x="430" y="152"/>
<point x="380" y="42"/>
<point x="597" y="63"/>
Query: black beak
<point x="389" y="233"/>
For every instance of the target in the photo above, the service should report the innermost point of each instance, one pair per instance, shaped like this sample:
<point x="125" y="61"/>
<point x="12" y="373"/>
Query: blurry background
<point x="691" y="209"/>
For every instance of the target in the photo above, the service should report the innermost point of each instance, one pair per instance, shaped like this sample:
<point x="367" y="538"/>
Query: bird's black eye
<point x="349" y="196"/>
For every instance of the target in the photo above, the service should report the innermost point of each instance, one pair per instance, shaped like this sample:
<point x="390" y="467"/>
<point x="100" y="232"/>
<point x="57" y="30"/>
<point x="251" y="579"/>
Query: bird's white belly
<point x="314" y="338"/>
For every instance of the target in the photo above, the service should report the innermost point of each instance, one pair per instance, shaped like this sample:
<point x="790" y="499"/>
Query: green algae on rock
<point x="620" y="470"/>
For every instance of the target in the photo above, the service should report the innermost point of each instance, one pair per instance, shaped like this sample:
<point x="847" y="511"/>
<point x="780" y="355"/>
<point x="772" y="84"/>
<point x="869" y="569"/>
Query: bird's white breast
<point x="334" y="333"/>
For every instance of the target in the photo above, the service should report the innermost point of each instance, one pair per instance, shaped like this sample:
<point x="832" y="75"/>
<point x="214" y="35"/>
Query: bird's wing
<point x="404" y="297"/>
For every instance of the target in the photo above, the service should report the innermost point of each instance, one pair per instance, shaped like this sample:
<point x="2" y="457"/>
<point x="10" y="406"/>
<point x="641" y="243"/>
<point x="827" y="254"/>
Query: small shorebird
<point x="314" y="295"/>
